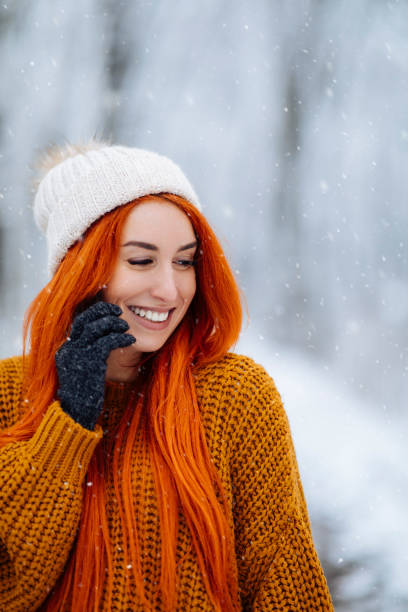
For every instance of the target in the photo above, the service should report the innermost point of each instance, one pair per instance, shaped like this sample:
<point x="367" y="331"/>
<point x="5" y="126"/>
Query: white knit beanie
<point x="83" y="187"/>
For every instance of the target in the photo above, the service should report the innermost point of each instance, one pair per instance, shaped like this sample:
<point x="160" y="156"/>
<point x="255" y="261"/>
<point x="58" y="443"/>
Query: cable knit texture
<point x="249" y="439"/>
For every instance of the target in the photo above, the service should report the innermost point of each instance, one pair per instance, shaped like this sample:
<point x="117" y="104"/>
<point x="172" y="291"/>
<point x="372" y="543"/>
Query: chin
<point x="146" y="346"/>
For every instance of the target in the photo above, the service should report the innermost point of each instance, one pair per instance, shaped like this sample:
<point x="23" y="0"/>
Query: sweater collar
<point x="117" y="397"/>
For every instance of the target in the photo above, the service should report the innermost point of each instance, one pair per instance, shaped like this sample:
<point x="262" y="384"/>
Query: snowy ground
<point x="353" y="462"/>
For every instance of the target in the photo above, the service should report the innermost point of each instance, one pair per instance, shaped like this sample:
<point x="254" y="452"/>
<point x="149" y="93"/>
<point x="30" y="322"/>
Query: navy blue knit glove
<point x="81" y="360"/>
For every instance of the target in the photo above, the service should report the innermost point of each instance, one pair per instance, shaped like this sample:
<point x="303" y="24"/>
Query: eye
<point x="139" y="262"/>
<point x="185" y="263"/>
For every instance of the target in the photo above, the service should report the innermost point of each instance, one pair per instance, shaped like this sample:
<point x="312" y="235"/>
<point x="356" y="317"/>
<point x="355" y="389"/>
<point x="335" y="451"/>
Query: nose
<point x="164" y="286"/>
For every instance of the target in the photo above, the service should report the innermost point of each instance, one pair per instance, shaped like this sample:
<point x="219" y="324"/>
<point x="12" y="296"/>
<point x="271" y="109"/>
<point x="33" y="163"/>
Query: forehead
<point x="154" y="219"/>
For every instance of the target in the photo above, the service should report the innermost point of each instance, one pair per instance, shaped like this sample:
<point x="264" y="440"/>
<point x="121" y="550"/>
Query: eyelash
<point x="186" y="263"/>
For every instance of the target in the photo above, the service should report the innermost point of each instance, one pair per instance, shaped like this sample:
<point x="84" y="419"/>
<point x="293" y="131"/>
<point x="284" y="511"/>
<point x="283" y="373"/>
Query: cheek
<point x="120" y="287"/>
<point x="190" y="288"/>
<point x="110" y="293"/>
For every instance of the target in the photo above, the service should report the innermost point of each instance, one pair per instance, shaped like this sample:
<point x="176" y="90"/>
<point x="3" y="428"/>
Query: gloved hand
<point x="81" y="360"/>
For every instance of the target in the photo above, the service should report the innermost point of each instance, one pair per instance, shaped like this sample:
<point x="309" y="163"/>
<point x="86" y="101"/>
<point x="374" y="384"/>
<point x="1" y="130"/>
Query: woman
<point x="143" y="467"/>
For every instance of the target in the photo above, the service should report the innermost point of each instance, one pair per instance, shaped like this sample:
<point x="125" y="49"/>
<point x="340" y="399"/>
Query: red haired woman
<point x="143" y="466"/>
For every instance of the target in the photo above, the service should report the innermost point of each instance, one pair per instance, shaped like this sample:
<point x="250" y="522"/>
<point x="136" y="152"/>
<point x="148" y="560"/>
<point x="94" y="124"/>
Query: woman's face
<point x="154" y="279"/>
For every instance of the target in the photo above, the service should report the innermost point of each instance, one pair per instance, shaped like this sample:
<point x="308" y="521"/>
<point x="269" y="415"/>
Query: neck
<point x="122" y="367"/>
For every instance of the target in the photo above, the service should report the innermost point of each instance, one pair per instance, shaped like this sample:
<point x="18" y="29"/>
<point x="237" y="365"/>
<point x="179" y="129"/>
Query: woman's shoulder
<point x="232" y="367"/>
<point x="11" y="382"/>
<point x="11" y="368"/>
<point x="234" y="377"/>
<point x="237" y="398"/>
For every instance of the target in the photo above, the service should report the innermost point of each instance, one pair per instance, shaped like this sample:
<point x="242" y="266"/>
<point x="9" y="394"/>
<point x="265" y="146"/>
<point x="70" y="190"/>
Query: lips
<point x="147" y="323"/>
<point x="150" y="314"/>
<point x="146" y="308"/>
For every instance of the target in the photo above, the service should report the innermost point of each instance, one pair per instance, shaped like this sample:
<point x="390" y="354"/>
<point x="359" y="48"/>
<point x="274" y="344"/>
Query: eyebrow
<point x="153" y="247"/>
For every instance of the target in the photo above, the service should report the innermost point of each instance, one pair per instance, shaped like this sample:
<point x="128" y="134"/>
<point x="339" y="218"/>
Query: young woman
<point x="143" y="466"/>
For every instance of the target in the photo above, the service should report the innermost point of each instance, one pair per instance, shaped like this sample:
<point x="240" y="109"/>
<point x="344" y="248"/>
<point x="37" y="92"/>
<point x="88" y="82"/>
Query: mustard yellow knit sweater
<point x="249" y="439"/>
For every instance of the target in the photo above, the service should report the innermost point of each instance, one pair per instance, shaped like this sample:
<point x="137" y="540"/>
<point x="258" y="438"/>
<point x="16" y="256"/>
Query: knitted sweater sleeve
<point x="277" y="561"/>
<point x="41" y="482"/>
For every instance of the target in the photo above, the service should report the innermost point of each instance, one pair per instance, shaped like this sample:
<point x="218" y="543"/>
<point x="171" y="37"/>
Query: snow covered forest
<point x="290" y="118"/>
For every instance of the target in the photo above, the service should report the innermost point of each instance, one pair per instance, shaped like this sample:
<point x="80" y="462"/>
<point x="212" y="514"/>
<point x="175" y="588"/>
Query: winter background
<point x="291" y="120"/>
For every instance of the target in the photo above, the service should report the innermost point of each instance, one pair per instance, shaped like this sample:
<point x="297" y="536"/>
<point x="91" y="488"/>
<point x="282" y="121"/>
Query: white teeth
<point x="149" y="314"/>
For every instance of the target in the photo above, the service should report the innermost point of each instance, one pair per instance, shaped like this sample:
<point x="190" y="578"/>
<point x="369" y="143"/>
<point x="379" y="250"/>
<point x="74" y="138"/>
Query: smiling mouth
<point x="151" y="315"/>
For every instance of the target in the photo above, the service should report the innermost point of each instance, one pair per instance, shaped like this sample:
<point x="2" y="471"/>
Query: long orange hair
<point x="173" y="429"/>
